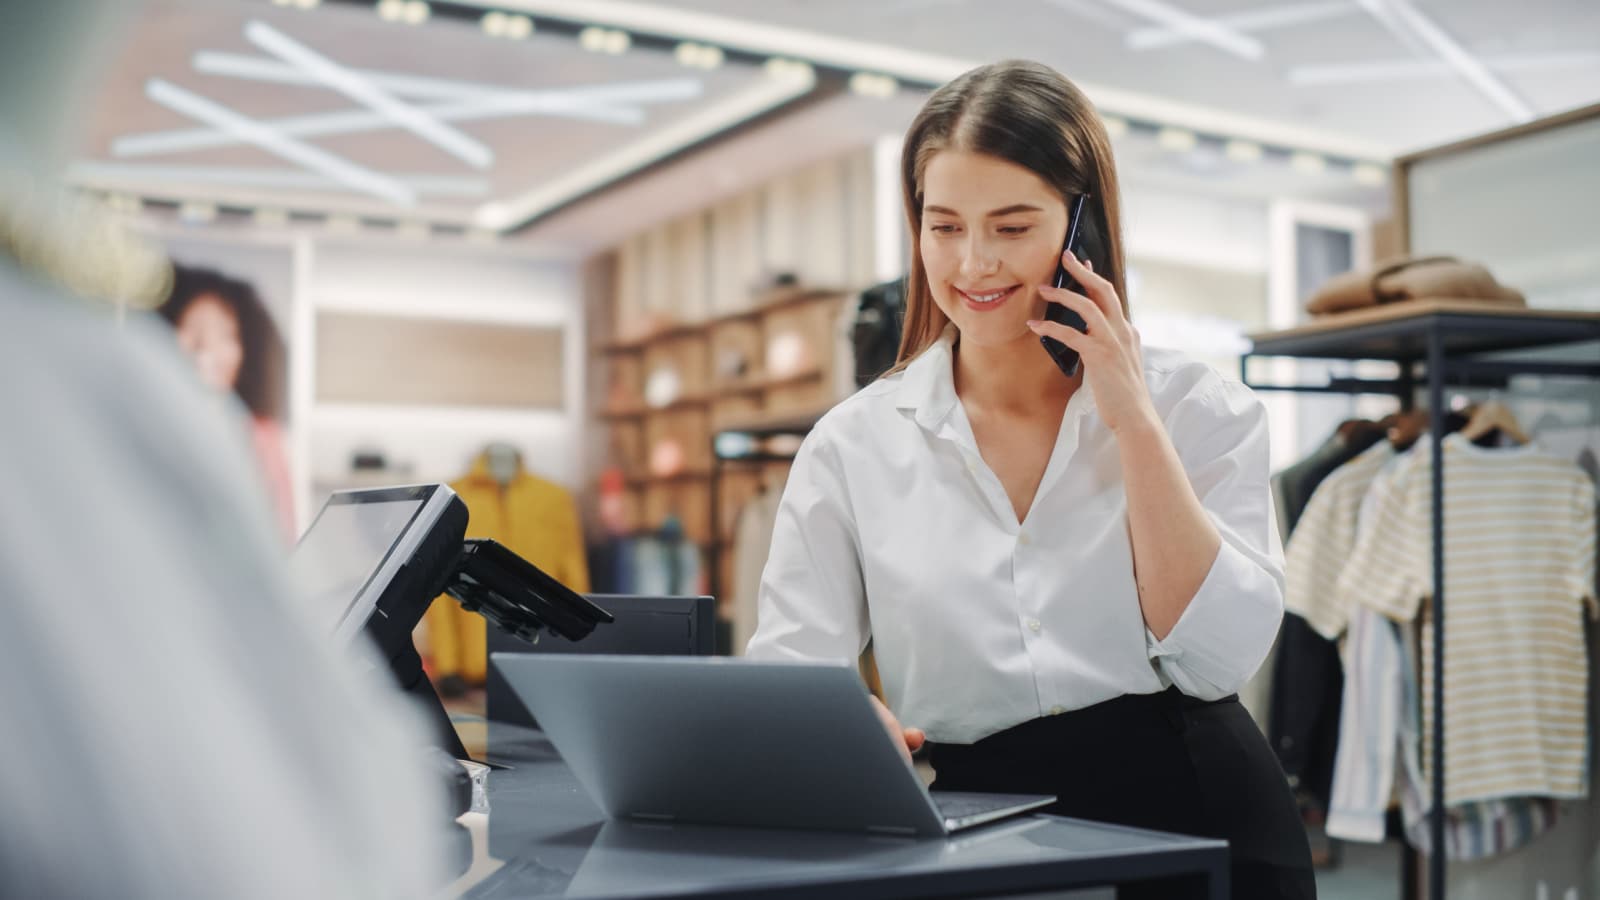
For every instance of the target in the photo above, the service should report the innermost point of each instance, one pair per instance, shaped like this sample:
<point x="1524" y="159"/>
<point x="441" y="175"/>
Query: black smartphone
<point x="1066" y="358"/>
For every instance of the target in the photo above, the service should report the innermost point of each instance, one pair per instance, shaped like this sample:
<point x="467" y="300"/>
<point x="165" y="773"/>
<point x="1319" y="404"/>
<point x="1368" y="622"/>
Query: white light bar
<point x="132" y="174"/>
<point x="1263" y="19"/>
<point x="1400" y="16"/>
<point x="913" y="66"/>
<point x="249" y="130"/>
<point x="366" y="93"/>
<point x="765" y="95"/>
<point x="1207" y="31"/>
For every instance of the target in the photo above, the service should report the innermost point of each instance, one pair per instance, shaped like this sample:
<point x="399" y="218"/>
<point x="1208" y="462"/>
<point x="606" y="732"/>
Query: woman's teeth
<point x="990" y="297"/>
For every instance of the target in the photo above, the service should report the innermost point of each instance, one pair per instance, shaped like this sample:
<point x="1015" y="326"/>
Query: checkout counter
<point x="371" y="563"/>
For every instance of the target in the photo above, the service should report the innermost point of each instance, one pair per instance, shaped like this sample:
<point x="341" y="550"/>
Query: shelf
<point x="640" y="344"/>
<point x="768" y="426"/>
<point x="697" y="401"/>
<point x="1399" y="331"/>
<point x="690" y="477"/>
<point x="773" y="302"/>
<point x="761" y="385"/>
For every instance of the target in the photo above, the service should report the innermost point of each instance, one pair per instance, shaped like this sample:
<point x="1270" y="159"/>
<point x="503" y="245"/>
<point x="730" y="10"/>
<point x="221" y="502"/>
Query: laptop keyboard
<point x="958" y="806"/>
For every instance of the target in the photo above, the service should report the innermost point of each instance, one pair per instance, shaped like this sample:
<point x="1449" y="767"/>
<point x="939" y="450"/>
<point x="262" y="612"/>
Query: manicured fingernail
<point x="1034" y="324"/>
<point x="1088" y="263"/>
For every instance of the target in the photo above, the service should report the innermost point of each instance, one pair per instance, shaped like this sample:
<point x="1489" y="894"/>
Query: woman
<point x="224" y="327"/>
<point x="1064" y="578"/>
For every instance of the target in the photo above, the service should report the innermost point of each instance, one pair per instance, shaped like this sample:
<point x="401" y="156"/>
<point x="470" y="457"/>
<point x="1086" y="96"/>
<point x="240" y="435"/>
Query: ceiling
<point x="398" y="113"/>
<point x="1333" y="66"/>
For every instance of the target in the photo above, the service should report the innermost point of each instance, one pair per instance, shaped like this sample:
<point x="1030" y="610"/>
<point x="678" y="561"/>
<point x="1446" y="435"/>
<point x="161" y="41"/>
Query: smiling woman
<point x="1048" y="146"/>
<point x="1065" y="577"/>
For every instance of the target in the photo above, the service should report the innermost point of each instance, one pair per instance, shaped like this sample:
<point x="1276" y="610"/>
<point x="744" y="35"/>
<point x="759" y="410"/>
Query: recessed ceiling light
<point x="391" y="10"/>
<point x="871" y="84"/>
<point x="494" y="23"/>
<point x="784" y="68"/>
<point x="197" y="213"/>
<point x="271" y="218"/>
<point x="343" y="223"/>
<point x="416" y="12"/>
<point x="518" y="27"/>
<point x="1308" y="163"/>
<point x="1178" y="140"/>
<point x="307" y="4"/>
<point x="1243" y="151"/>
<point x="1370" y="174"/>
<point x="1116" y="126"/>
<point x="617" y="42"/>
<point x="698" y="56"/>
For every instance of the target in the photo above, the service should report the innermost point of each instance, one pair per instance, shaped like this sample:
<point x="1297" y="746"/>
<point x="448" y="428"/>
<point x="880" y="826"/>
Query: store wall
<point x="457" y="285"/>
<point x="814" y="223"/>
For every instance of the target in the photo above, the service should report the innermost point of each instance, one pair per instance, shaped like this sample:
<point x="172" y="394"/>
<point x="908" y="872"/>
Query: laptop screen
<point x="337" y="558"/>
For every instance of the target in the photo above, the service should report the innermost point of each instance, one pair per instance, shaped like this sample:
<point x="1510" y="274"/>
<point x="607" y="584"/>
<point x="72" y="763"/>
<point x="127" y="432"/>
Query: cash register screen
<point x="336" y="560"/>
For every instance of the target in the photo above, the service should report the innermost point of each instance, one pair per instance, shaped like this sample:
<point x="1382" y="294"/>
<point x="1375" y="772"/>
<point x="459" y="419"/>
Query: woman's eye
<point x="1014" y="230"/>
<point x="942" y="229"/>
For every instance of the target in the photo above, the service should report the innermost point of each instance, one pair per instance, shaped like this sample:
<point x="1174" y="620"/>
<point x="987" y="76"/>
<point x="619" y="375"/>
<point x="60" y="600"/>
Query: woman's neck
<point x="1017" y="378"/>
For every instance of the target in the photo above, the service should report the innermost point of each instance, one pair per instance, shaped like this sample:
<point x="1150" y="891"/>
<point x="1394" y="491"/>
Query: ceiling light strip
<point x="913" y="67"/>
<point x="762" y="97"/>
<point x="1262" y="19"/>
<point x="296" y="151"/>
<point x="133" y="174"/>
<point x="1416" y="69"/>
<point x="1401" y="15"/>
<point x="421" y="87"/>
<point x="352" y="85"/>
<point x="591" y="103"/>
<point x="1208" y="31"/>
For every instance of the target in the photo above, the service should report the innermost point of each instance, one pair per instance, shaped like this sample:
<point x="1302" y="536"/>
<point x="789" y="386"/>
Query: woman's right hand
<point x="907" y="739"/>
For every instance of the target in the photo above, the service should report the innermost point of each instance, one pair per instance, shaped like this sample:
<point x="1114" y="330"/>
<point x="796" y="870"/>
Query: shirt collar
<point x="928" y="387"/>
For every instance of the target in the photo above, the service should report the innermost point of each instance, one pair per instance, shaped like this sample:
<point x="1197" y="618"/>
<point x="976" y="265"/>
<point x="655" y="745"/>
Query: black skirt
<point x="1162" y="761"/>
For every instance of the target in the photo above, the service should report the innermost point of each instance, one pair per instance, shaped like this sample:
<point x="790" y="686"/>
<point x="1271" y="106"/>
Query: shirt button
<point x="1056" y="710"/>
<point x="1033" y="625"/>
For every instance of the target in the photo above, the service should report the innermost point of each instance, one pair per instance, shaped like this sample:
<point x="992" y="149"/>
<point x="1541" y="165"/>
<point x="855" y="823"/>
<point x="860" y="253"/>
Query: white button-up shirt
<point x="892" y="527"/>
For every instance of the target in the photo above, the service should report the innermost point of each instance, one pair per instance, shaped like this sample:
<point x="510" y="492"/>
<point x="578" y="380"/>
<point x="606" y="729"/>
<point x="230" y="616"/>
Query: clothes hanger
<point x="1491" y="416"/>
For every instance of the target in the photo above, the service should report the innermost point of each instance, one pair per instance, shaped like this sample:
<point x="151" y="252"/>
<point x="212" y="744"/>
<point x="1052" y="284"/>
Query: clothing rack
<point x="756" y="429"/>
<point x="1436" y="343"/>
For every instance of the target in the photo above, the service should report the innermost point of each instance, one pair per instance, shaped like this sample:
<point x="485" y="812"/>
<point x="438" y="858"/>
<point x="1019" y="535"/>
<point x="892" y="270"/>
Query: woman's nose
<point x="978" y="261"/>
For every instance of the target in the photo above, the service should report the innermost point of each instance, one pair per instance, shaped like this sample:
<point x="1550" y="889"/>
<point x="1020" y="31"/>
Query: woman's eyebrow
<point x="993" y="213"/>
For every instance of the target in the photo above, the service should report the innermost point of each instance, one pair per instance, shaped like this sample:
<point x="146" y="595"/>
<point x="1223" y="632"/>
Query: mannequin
<point x="505" y="461"/>
<point x="534" y="517"/>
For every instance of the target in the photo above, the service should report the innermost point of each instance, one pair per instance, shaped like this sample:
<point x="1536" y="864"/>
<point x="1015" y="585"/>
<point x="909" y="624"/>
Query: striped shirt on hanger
<point x="1323" y="539"/>
<point x="1519" y="529"/>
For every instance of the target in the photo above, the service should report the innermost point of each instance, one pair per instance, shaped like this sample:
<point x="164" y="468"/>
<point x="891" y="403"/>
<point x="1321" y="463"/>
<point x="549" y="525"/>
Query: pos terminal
<point x="373" y="560"/>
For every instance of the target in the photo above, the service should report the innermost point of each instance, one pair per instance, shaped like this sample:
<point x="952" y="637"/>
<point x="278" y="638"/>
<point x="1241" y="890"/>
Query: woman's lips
<point x="983" y="301"/>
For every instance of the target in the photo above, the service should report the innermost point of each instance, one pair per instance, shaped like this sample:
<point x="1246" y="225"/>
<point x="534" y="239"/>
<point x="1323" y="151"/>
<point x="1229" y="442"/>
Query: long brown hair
<point x="1030" y="115"/>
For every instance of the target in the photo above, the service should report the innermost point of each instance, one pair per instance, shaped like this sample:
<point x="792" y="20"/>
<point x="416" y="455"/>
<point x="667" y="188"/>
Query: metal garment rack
<point x="1436" y="344"/>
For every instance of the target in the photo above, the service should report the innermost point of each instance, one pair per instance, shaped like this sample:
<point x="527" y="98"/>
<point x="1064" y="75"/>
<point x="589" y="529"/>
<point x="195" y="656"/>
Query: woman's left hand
<point x="1113" y="361"/>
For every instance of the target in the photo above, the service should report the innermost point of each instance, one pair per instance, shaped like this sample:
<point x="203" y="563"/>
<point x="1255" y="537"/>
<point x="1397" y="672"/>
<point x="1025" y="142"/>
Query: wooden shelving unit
<point x="725" y="374"/>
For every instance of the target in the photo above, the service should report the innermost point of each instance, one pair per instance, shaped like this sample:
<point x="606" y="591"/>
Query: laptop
<point x="733" y="741"/>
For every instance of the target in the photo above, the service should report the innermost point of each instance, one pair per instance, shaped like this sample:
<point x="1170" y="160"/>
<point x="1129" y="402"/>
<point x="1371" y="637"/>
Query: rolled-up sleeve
<point x="812" y="602"/>
<point x="1228" y="628"/>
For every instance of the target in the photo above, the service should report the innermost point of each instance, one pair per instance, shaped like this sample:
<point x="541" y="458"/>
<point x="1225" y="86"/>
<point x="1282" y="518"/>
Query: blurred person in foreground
<point x="237" y="755"/>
